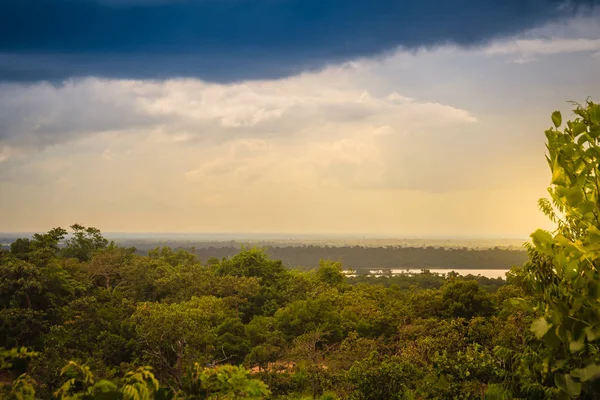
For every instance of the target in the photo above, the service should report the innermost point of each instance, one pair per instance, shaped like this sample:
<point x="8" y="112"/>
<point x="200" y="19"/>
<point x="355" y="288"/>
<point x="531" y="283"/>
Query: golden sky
<point x="444" y="142"/>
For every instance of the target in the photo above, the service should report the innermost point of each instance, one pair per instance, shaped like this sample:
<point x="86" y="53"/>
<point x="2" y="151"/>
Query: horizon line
<point x="304" y="234"/>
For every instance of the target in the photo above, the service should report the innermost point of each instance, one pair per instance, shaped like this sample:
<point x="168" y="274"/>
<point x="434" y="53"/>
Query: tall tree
<point x="84" y="242"/>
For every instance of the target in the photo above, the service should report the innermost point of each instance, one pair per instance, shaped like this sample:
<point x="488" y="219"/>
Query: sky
<point x="380" y="117"/>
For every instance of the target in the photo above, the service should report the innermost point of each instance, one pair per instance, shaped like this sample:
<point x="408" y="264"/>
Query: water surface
<point x="489" y="273"/>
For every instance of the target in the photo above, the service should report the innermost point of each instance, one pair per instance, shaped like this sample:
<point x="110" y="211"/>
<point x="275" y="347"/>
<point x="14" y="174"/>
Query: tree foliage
<point x="563" y="271"/>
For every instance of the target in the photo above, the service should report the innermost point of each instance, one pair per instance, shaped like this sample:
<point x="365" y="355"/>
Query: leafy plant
<point x="564" y="268"/>
<point x="224" y="382"/>
<point x="82" y="385"/>
<point x="139" y="385"/>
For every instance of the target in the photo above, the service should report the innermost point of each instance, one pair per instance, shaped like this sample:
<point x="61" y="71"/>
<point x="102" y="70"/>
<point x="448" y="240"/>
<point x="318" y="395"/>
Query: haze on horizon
<point x="337" y="119"/>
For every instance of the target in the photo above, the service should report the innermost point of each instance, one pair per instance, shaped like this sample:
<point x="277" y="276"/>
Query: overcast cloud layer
<point x="233" y="40"/>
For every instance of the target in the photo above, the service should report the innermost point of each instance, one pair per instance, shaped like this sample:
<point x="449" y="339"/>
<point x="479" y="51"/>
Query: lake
<point x="489" y="273"/>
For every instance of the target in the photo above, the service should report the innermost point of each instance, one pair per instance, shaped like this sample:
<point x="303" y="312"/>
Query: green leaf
<point x="577" y="345"/>
<point x="558" y="174"/>
<point x="540" y="327"/>
<point x="586" y="207"/>
<point x="543" y="241"/>
<point x="567" y="384"/>
<point x="572" y="269"/>
<point x="105" y="386"/>
<point x="592" y="333"/>
<point x="587" y="373"/>
<point x="521" y="304"/>
<point x="542" y="237"/>
<point x="556" y="118"/>
<point x="579" y="128"/>
<point x="574" y="196"/>
<point x="594" y="234"/>
<point x="595" y="114"/>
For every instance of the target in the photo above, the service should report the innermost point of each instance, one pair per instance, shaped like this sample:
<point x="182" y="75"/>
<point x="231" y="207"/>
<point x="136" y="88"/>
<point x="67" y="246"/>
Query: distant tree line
<point x="364" y="258"/>
<point x="358" y="258"/>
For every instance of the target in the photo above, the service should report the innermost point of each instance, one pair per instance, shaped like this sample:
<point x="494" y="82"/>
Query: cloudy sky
<point x="379" y="117"/>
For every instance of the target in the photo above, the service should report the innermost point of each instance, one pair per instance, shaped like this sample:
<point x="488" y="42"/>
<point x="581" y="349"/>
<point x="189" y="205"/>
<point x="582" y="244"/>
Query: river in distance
<point x="489" y="273"/>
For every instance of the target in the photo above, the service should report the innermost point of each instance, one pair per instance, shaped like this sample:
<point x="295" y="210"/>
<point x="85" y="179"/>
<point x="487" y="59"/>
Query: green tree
<point x="465" y="299"/>
<point x="40" y="249"/>
<point x="382" y="377"/>
<point x="252" y="263"/>
<point x="21" y="284"/>
<point x="317" y="314"/>
<point x="308" y="352"/>
<point x="104" y="267"/>
<point x="255" y="263"/>
<point x="368" y="310"/>
<point x="84" y="242"/>
<point x="266" y="341"/>
<point x="24" y="301"/>
<point x="330" y="272"/>
<point x="564" y="267"/>
<point x="466" y="374"/>
<point x="226" y="382"/>
<point x="173" y="336"/>
<point x="21" y="248"/>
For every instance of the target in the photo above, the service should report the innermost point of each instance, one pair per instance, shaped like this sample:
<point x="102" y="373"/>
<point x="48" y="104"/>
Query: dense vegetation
<point x="301" y="332"/>
<point x="361" y="258"/>
<point x="83" y="318"/>
<point x="358" y="258"/>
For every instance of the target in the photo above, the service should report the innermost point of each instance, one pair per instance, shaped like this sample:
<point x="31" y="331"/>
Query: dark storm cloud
<point x="228" y="40"/>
